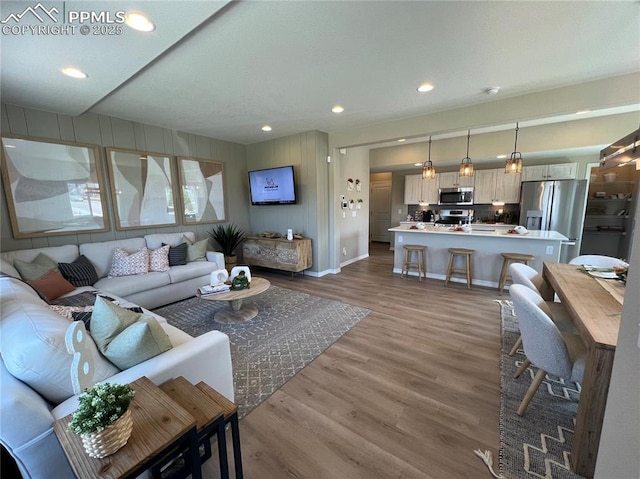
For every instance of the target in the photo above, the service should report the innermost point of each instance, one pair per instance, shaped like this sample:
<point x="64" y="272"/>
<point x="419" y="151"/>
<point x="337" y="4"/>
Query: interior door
<point x="380" y="213"/>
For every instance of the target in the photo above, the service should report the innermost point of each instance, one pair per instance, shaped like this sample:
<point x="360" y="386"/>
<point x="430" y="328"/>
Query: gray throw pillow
<point x="35" y="269"/>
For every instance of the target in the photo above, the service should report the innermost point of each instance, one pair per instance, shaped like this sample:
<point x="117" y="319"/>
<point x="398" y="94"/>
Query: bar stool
<point x="509" y="258"/>
<point x="420" y="263"/>
<point x="467" y="271"/>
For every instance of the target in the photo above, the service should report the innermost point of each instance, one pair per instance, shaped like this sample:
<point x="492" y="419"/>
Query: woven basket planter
<point x="110" y="439"/>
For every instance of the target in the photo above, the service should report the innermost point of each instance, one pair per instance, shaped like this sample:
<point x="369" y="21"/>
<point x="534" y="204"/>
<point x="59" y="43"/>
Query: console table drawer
<point x="278" y="253"/>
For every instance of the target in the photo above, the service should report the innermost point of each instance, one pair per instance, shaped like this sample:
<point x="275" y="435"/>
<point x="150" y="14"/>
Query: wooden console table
<point x="278" y="253"/>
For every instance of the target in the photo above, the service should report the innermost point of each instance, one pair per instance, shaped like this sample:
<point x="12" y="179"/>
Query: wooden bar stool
<point x="420" y="263"/>
<point x="468" y="269"/>
<point x="509" y="258"/>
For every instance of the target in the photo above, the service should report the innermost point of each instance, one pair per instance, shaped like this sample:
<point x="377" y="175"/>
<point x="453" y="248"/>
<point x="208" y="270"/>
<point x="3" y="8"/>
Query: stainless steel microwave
<point x="455" y="196"/>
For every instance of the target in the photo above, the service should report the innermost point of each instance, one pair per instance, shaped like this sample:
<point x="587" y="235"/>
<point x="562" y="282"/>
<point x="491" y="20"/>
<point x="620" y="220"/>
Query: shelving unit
<point x="608" y="216"/>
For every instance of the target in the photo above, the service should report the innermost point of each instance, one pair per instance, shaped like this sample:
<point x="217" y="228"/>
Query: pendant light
<point x="428" y="170"/>
<point x="514" y="163"/>
<point x="466" y="167"/>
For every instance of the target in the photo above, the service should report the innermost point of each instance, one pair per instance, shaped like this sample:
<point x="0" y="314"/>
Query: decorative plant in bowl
<point x="228" y="238"/>
<point x="103" y="418"/>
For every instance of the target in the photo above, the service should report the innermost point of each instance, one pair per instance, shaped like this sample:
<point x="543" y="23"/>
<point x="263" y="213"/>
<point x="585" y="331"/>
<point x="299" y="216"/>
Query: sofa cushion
<point x="125" y="286"/>
<point x="178" y="254"/>
<point x="60" y="254"/>
<point x="52" y="285"/>
<point x="159" y="259"/>
<point x="191" y="270"/>
<point x="128" y="264"/>
<point x="125" y="337"/>
<point x="79" y="273"/>
<point x="34" y="351"/>
<point x="7" y="268"/>
<point x="100" y="254"/>
<point x="30" y="270"/>
<point x="154" y="241"/>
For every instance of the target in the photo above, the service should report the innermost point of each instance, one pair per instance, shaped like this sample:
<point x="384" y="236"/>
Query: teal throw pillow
<point x="108" y="320"/>
<point x="35" y="269"/>
<point x="137" y="343"/>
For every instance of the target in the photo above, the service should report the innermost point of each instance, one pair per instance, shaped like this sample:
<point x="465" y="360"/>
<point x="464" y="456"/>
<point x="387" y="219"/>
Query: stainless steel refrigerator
<point x="556" y="206"/>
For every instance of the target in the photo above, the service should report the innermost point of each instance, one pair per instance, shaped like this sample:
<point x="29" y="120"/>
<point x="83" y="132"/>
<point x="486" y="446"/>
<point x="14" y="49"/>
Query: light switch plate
<point x="549" y="250"/>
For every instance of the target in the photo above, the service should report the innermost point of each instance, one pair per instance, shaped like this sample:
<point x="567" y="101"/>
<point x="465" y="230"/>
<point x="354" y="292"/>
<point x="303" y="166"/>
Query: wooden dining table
<point x="595" y="307"/>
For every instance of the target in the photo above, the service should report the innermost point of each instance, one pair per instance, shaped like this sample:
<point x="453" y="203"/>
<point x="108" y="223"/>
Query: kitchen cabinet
<point x="453" y="180"/>
<point x="496" y="186"/>
<point x="560" y="171"/>
<point x="419" y="191"/>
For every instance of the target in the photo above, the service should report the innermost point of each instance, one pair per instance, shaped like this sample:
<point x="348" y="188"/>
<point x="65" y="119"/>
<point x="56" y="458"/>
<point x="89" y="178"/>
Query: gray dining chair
<point x="546" y="347"/>
<point x="598" y="260"/>
<point x="529" y="277"/>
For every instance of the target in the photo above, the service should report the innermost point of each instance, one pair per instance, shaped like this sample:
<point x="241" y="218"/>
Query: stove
<point x="454" y="217"/>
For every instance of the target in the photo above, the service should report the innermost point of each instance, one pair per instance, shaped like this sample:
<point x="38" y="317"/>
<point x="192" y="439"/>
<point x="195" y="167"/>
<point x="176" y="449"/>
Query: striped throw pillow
<point x="79" y="273"/>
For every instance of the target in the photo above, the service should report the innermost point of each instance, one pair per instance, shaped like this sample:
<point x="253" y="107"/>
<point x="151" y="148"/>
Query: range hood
<point x="622" y="152"/>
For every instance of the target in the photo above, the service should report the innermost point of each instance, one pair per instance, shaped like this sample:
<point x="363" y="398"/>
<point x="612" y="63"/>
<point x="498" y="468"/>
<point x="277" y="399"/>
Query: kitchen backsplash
<point x="483" y="213"/>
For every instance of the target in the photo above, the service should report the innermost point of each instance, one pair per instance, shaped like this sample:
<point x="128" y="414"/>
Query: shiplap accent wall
<point x="307" y="152"/>
<point x="107" y="131"/>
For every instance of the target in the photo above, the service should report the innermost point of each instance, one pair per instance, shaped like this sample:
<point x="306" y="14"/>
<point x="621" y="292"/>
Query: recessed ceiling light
<point x="337" y="109"/>
<point x="139" y="21"/>
<point x="417" y="164"/>
<point x="492" y="90"/>
<point x="583" y="112"/>
<point x="266" y="128"/>
<point x="425" y="87"/>
<point x="501" y="157"/>
<point x="73" y="72"/>
<point x="401" y="140"/>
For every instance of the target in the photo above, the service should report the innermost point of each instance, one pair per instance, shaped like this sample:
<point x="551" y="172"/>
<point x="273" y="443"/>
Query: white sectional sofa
<point x="35" y="368"/>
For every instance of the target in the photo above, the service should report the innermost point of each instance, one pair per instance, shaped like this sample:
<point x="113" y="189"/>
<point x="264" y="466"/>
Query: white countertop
<point x="484" y="231"/>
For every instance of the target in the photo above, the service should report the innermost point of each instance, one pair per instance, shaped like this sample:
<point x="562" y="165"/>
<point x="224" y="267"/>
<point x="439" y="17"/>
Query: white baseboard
<point x="354" y="260"/>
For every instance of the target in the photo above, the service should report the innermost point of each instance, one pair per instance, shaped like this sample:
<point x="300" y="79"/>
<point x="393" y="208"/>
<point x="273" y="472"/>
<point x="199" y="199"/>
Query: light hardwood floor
<point x="409" y="392"/>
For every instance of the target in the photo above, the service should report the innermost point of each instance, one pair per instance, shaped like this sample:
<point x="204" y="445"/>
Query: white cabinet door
<point x="507" y="187"/>
<point x="448" y="180"/>
<point x="430" y="190"/>
<point x="412" y="189"/>
<point x="485" y="186"/>
<point x="563" y="171"/>
<point x="534" y="173"/>
<point x="465" y="180"/>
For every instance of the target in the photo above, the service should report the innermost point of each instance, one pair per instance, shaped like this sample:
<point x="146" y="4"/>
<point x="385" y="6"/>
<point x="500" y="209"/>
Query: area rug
<point x="291" y="330"/>
<point x="537" y="445"/>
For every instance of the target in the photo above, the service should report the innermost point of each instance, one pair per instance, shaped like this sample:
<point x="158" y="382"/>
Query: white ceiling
<point x="225" y="70"/>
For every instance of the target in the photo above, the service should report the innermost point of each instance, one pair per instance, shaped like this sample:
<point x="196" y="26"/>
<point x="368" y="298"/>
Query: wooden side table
<point x="159" y="426"/>
<point x="209" y="422"/>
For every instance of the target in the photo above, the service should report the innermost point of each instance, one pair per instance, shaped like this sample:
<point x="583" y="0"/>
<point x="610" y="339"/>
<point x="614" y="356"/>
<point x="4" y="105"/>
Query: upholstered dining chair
<point x="598" y="260"/>
<point x="548" y="349"/>
<point x="529" y="277"/>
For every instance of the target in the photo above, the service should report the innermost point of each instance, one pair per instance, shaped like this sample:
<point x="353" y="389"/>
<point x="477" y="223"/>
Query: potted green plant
<point x="228" y="238"/>
<point x="103" y="419"/>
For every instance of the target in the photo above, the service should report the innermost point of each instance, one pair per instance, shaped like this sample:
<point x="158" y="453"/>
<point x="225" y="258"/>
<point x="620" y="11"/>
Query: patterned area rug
<point x="537" y="445"/>
<point x="291" y="330"/>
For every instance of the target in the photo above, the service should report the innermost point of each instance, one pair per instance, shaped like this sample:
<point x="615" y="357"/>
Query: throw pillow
<point x="139" y="342"/>
<point x="52" y="285"/>
<point x="108" y="320"/>
<point x="67" y="312"/>
<point x="36" y="268"/>
<point x="124" y="337"/>
<point x="85" y="316"/>
<point x="177" y="254"/>
<point x="197" y="251"/>
<point x="79" y="273"/>
<point x="159" y="259"/>
<point x="127" y="264"/>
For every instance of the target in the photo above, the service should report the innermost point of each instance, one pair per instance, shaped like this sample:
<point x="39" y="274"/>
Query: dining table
<point x="594" y="306"/>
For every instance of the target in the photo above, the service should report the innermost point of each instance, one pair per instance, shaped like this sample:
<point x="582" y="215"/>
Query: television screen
<point x="272" y="186"/>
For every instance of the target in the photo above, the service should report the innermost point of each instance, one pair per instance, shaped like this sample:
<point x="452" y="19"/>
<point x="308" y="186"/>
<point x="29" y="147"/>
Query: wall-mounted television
<point x="273" y="186"/>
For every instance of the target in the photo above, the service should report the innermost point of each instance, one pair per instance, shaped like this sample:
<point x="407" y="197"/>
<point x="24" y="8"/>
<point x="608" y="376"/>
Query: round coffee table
<point x="238" y="311"/>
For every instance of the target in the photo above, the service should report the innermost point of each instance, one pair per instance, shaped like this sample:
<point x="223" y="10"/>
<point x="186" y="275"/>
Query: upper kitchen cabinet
<point x="496" y="186"/>
<point x="453" y="180"/>
<point x="561" y="171"/>
<point x="419" y="191"/>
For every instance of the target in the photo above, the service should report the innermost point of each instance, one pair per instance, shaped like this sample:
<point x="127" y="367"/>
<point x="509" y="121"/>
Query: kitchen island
<point x="488" y="243"/>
